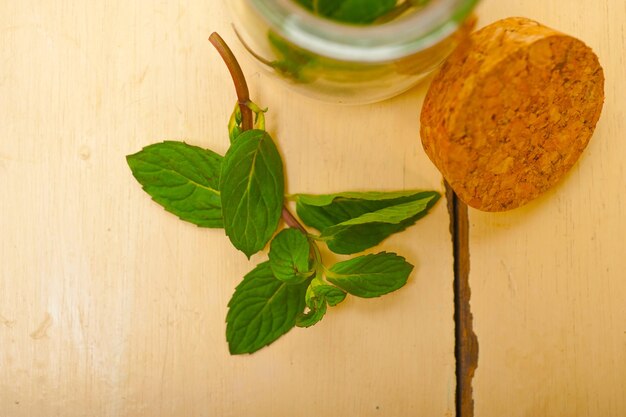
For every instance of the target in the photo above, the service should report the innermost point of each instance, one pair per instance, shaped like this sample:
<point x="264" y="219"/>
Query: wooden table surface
<point x="110" y="306"/>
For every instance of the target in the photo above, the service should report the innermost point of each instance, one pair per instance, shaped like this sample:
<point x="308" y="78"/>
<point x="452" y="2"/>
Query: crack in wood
<point x="466" y="342"/>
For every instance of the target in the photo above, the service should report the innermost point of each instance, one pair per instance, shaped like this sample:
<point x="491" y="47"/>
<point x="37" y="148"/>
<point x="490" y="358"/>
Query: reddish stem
<point x="291" y="221"/>
<point x="241" y="86"/>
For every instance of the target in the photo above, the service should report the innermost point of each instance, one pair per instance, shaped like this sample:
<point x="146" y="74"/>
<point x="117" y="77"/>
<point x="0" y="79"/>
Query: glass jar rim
<point x="365" y="43"/>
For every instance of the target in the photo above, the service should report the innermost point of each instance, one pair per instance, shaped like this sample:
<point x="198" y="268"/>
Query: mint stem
<point x="291" y="221"/>
<point x="243" y="98"/>
<point x="241" y="86"/>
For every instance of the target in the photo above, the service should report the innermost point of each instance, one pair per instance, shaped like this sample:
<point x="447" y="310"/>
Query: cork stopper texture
<point x="511" y="111"/>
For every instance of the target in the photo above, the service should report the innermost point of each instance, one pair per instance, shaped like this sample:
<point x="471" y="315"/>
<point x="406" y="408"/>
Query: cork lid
<point x="511" y="111"/>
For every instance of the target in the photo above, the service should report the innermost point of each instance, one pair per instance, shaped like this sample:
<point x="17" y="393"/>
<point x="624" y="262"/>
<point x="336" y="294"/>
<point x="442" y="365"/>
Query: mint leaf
<point x="234" y="123"/>
<point x="320" y="200"/>
<point x="391" y="214"/>
<point x="366" y="231"/>
<point x="318" y="297"/>
<point x="316" y="312"/>
<point x="252" y="187"/>
<point x="307" y="4"/>
<point x="261" y="310"/>
<point x="184" y="179"/>
<point x="323" y="211"/>
<point x="333" y="295"/>
<point x="370" y="275"/>
<point x="320" y="290"/>
<point x="355" y="11"/>
<point x="350" y="11"/>
<point x="292" y="61"/>
<point x="327" y="8"/>
<point x="351" y="222"/>
<point x="289" y="256"/>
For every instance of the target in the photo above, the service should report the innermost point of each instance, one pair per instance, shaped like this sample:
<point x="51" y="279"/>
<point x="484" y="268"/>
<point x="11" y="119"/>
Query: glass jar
<point x="349" y="63"/>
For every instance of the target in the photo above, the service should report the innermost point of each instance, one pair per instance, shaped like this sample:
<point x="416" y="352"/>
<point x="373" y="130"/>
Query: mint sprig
<point x="243" y="192"/>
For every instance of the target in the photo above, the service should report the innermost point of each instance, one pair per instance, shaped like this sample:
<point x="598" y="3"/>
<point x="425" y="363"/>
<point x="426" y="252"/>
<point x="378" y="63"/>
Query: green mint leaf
<point x="361" y="11"/>
<point x="259" y="115"/>
<point x="350" y="11"/>
<point x="351" y="222"/>
<point x="318" y="296"/>
<point x="391" y="214"/>
<point x="307" y="4"/>
<point x="234" y="123"/>
<point x="310" y="297"/>
<point x="184" y="179"/>
<point x="387" y="197"/>
<point x="333" y="295"/>
<point x="252" y="188"/>
<point x="355" y="239"/>
<point x="318" y="289"/>
<point x="322" y="211"/>
<point x="261" y="310"/>
<point x="327" y="8"/>
<point x="289" y="256"/>
<point x="314" y="315"/>
<point x="293" y="61"/>
<point x="370" y="275"/>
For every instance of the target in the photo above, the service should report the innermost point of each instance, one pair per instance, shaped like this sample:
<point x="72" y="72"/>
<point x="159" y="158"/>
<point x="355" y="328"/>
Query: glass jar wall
<point x="347" y="62"/>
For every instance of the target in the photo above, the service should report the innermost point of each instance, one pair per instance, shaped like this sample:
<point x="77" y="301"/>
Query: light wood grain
<point x="548" y="288"/>
<point x="110" y="306"/>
